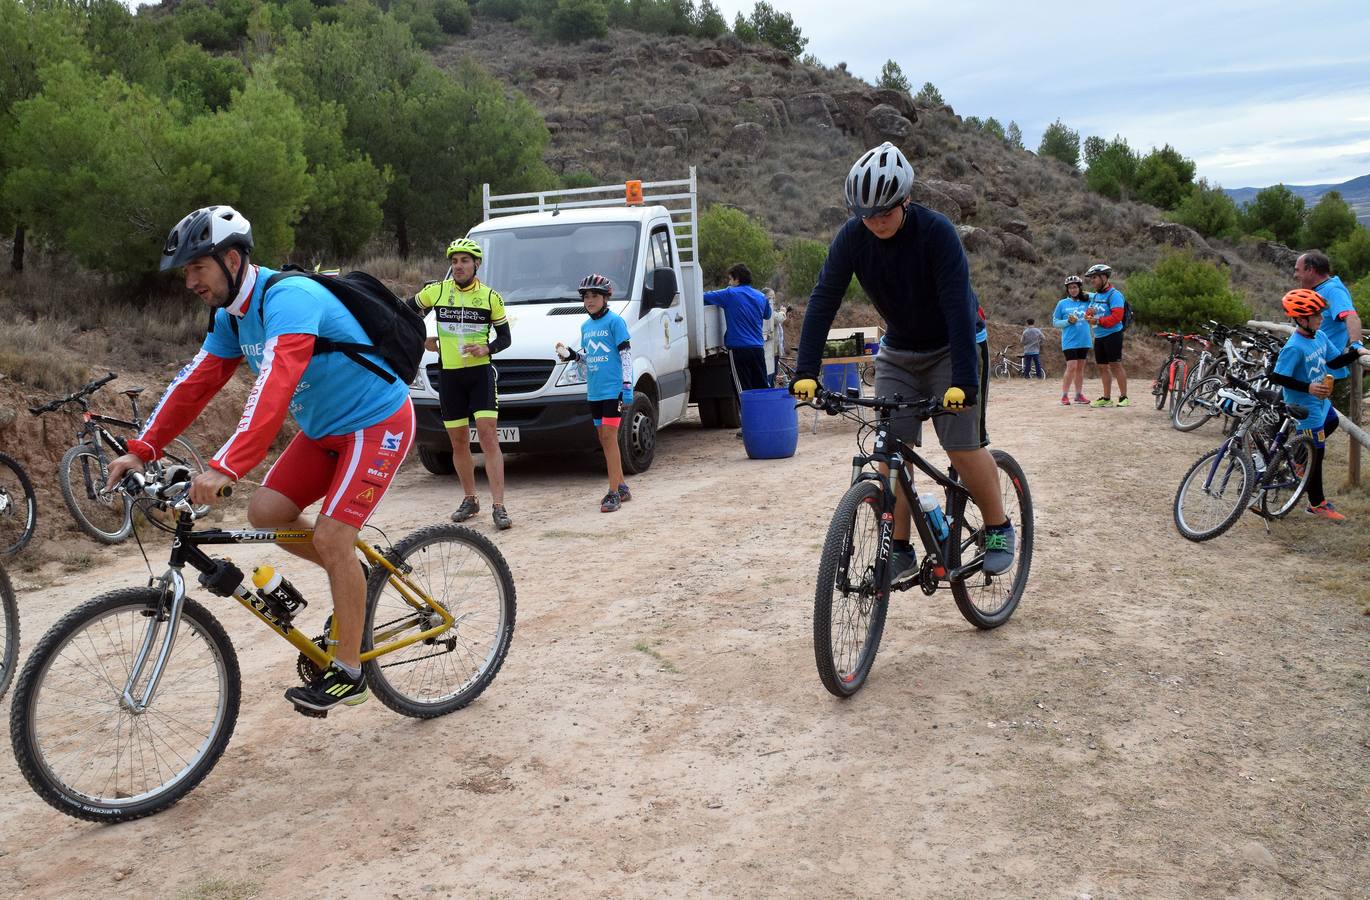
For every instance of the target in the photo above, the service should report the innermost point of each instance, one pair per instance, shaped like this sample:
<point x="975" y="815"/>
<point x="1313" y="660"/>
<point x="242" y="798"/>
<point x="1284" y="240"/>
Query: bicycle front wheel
<point x="465" y="573"/>
<point x="1199" y="404"/>
<point x="852" y="594"/>
<point x="80" y="746"/>
<point x="106" y="516"/>
<point x="987" y="601"/>
<point x="1287" y="478"/>
<point x="18" y="507"/>
<point x="1214" y="492"/>
<point x="9" y="632"/>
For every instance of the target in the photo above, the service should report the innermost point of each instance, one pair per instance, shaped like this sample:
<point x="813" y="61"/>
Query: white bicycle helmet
<point x="879" y="181"/>
<point x="1098" y="269"/>
<point x="206" y="232"/>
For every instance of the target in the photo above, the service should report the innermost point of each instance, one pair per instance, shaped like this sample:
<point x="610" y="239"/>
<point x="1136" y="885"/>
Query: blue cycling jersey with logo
<point x="1103" y="305"/>
<point x="601" y="341"/>
<point x="1305" y="359"/>
<point x="1077" y="336"/>
<point x="1339" y="305"/>
<point x="334" y="394"/>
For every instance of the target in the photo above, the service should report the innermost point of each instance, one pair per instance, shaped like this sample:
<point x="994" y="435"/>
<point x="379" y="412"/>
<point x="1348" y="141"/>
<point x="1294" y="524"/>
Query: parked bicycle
<point x="9" y="631"/>
<point x="18" y="507"/>
<point x="1264" y="465"/>
<point x="106" y="515"/>
<point x="1245" y="354"/>
<point x="854" y="575"/>
<point x="109" y="724"/>
<point x="1169" y="382"/>
<point x="1005" y="366"/>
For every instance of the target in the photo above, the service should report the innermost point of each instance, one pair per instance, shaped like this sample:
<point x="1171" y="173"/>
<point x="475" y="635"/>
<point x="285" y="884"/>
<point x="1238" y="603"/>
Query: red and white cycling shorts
<point x="351" y="472"/>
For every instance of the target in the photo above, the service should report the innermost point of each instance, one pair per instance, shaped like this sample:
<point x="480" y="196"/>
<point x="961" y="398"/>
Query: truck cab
<point x="536" y="249"/>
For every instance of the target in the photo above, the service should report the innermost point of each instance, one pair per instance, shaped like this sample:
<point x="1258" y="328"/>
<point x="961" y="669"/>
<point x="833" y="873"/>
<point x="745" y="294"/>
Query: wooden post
<point x="1357" y="416"/>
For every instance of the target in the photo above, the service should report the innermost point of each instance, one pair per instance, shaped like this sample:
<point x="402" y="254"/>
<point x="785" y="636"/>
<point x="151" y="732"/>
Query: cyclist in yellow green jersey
<point x="472" y="327"/>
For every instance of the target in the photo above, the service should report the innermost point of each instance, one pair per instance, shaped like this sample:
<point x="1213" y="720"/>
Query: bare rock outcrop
<point x="1016" y="247"/>
<point x="978" y="240"/>
<point x="749" y="139"/>
<point x="816" y="108"/>
<point x="963" y="194"/>
<point x="925" y="195"/>
<point x="1177" y="235"/>
<point x="1277" y="254"/>
<point x="884" y="123"/>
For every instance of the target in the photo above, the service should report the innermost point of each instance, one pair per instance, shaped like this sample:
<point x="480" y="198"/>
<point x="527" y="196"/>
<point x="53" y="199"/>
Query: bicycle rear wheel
<point x="851" y="597"/>
<point x="9" y="632"/>
<point x="1198" y="405"/>
<point x="18" y="507"/>
<point x="465" y="573"/>
<point x="107" y="516"/>
<point x="78" y="745"/>
<point x="987" y="601"/>
<point x="1286" y="478"/>
<point x="1214" y="492"/>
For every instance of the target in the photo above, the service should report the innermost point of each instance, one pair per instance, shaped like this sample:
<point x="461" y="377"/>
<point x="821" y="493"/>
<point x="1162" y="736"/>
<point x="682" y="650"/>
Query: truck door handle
<point x="679" y="318"/>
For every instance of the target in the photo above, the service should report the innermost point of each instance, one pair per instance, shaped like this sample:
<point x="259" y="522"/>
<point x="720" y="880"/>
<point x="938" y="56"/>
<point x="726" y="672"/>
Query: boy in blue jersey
<point x="1304" y="370"/>
<point x="1076" y="337"/>
<point x="607" y="358"/>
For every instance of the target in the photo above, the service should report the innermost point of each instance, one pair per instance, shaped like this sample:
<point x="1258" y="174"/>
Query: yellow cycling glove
<point x="804" y="388"/>
<point x="954" y="398"/>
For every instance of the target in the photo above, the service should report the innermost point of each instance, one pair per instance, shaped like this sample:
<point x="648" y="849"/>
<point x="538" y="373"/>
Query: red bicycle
<point x="1170" y="379"/>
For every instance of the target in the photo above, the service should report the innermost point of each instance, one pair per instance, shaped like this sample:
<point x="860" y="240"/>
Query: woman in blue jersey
<point x="1076" y="338"/>
<point x="608" y="362"/>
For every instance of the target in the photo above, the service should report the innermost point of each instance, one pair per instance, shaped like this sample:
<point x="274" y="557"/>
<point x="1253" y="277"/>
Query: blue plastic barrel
<point x="770" y="423"/>
<point x="837" y="377"/>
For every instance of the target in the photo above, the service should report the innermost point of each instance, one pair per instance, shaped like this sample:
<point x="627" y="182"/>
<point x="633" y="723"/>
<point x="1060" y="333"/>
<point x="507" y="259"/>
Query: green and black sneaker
<point x="330" y="689"/>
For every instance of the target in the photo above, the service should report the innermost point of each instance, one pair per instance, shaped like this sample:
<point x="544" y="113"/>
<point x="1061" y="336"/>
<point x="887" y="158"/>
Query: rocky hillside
<point x="775" y="137"/>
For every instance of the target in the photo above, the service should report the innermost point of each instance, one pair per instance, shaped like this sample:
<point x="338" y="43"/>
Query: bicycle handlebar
<point x="833" y="403"/>
<point x="171" y="492"/>
<point x="75" y="397"/>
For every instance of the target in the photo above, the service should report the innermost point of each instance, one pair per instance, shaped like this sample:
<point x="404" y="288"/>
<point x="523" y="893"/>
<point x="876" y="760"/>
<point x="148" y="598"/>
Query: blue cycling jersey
<point x="1077" y="336"/>
<point x="1305" y="359"/>
<point x="334" y="395"/>
<point x="1339" y="305"/>
<point x="606" y="356"/>
<point x="1104" y="304"/>
<point x="744" y="307"/>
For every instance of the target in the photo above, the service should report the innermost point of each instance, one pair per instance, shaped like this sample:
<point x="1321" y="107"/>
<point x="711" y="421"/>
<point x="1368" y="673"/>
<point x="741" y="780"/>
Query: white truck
<point x="537" y="247"/>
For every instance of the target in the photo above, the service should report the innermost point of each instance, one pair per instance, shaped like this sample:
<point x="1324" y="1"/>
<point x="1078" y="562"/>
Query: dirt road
<point x="1159" y="718"/>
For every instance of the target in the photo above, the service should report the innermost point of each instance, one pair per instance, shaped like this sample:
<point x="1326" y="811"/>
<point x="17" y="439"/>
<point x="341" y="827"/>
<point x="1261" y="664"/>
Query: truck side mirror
<point x="660" y="290"/>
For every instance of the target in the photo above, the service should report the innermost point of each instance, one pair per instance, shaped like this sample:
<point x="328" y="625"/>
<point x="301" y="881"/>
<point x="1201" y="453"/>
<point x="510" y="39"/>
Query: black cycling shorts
<point x="605" y="409"/>
<point x="468" y="393"/>
<point x="1077" y="353"/>
<point x="1109" y="348"/>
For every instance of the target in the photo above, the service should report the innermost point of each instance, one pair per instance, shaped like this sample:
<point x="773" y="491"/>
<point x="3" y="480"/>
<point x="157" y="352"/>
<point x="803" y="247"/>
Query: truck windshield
<point x="545" y="263"/>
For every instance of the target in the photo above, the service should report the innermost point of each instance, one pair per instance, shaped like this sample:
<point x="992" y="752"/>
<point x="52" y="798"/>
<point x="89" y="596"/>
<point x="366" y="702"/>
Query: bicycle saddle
<point x="133" y="392"/>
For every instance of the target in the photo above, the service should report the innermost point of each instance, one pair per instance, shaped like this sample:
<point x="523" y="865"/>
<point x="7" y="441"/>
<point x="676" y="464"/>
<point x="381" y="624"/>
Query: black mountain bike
<point x="18" y="507"/>
<point x="107" y="515"/>
<point x="9" y="632"/>
<point x="1263" y="466"/>
<point x="854" y="571"/>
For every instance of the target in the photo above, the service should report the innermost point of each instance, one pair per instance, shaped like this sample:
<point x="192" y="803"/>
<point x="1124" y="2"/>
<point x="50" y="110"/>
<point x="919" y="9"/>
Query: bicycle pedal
<point x="310" y="713"/>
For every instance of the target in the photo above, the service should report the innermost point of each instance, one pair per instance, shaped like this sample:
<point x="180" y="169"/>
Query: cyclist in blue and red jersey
<point x="355" y="426"/>
<point x="1301" y="369"/>
<point x="910" y="262"/>
<point x="1108" y="306"/>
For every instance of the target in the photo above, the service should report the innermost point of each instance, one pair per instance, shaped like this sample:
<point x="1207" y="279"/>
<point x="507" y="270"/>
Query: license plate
<point x="506" y="434"/>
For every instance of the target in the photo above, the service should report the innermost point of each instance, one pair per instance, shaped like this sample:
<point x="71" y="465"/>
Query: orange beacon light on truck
<point x="632" y="192"/>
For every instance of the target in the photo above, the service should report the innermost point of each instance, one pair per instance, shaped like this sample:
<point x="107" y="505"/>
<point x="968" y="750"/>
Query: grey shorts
<point x="914" y="376"/>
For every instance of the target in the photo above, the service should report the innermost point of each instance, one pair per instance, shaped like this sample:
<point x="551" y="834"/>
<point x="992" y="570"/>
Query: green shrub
<point x="507" y="10"/>
<point x="1164" y="178"/>
<point x="1059" y="142"/>
<point x="1276" y="210"/>
<point x="1184" y="293"/>
<point x="582" y="179"/>
<point x="1328" y="222"/>
<point x="579" y="20"/>
<point x="727" y="236"/>
<point x="454" y="16"/>
<point x="1209" y="211"/>
<point x="708" y="21"/>
<point x="929" y="95"/>
<point x="1351" y="255"/>
<point x="1112" y="167"/>
<point x="892" y="77"/>
<point x="802" y="263"/>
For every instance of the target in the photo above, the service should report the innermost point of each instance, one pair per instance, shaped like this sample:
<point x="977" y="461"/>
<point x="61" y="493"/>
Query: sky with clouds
<point x="1255" y="92"/>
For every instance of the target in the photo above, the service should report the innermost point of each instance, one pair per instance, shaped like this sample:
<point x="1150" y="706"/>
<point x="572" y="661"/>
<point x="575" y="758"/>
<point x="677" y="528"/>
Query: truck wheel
<point x="729" y="411"/>
<point x="637" y="435"/>
<point x="439" y="462"/>
<point x="708" y="412"/>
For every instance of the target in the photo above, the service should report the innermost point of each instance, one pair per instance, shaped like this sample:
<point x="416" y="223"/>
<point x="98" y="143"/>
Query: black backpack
<point x="396" y="331"/>
<point x="1127" y="314"/>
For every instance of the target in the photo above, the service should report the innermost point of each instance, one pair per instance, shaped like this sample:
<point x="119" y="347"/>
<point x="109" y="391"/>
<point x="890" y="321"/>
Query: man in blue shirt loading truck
<point x="744" y="308"/>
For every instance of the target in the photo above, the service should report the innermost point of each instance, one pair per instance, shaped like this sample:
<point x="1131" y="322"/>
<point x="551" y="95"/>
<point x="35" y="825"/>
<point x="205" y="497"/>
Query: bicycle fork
<point x="168" y="612"/>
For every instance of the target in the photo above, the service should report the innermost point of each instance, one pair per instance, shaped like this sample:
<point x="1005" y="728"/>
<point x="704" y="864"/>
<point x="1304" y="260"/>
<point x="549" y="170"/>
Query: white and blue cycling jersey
<point x="606" y="357"/>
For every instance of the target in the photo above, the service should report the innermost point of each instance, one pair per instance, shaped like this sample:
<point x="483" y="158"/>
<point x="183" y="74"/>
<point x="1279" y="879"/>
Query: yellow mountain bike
<point x="126" y="704"/>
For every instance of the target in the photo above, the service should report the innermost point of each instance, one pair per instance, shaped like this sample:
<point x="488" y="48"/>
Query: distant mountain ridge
<point x="1355" y="192"/>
